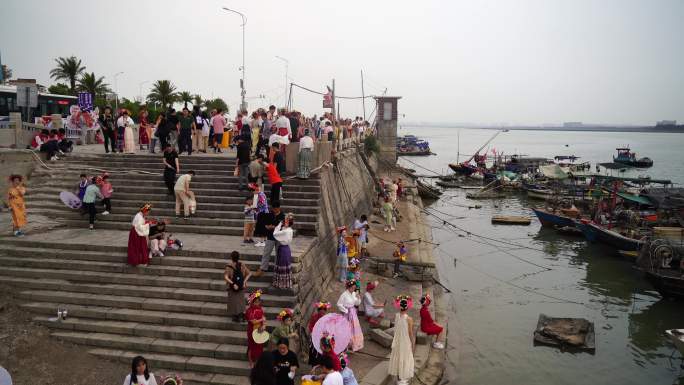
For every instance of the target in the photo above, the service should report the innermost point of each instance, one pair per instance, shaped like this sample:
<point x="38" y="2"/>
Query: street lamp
<point x="242" y="83"/>
<point x="287" y="64"/>
<point x="116" y="92"/>
<point x="140" y="89"/>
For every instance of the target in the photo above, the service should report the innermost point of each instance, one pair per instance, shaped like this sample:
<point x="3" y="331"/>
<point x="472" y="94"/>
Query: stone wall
<point x="347" y="191"/>
<point x="14" y="162"/>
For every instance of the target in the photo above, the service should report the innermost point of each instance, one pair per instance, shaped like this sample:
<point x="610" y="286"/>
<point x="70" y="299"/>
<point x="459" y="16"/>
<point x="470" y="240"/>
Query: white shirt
<point x="142" y="228"/>
<point x="306" y="142"/>
<point x="347" y="301"/>
<point x="283" y="236"/>
<point x="369" y="305"/>
<point x="361" y="226"/>
<point x="275" y="138"/>
<point x="141" y="380"/>
<point x="283" y="121"/>
<point x="124" y="121"/>
<point x="180" y="183"/>
<point x="333" y="378"/>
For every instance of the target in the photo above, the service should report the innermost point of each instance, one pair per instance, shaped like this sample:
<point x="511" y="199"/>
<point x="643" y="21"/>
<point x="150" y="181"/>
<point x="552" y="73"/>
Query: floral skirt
<point x="282" y="278"/>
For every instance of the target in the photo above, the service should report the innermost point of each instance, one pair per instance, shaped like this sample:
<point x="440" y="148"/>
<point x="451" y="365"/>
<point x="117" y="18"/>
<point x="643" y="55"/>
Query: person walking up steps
<point x="92" y="192"/>
<point x="271" y="220"/>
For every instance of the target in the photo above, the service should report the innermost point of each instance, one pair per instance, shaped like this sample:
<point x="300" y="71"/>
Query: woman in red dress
<point x="427" y="324"/>
<point x="144" y="130"/>
<point x="255" y="320"/>
<point x="138" y="252"/>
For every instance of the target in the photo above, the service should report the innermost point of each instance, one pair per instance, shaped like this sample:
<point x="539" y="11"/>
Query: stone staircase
<point x="173" y="311"/>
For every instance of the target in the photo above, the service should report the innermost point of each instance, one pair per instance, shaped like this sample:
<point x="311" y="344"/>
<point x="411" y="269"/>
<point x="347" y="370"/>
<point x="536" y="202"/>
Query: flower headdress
<point x="354" y="263"/>
<point x="328" y="341"/>
<point x="370" y="286"/>
<point x="254" y="296"/>
<point x="350" y="283"/>
<point x="344" y="358"/>
<point x="403" y="302"/>
<point x="322" y="305"/>
<point x="172" y="380"/>
<point x="146" y="207"/>
<point x="12" y="177"/>
<point x="341" y="229"/>
<point x="285" y="313"/>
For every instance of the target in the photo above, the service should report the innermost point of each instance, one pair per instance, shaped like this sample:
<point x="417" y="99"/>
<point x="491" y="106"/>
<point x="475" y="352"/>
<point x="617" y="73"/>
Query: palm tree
<point x="68" y="68"/>
<point x="185" y="97"/>
<point x="163" y="92"/>
<point x="92" y="84"/>
<point x="197" y="100"/>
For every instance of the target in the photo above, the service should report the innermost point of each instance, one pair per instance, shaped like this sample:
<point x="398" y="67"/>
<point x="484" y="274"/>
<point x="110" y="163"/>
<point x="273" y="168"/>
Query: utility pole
<point x="363" y="97"/>
<point x="334" y="111"/>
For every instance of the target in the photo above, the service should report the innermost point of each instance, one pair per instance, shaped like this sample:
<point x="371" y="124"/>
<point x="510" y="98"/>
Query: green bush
<point x="371" y="145"/>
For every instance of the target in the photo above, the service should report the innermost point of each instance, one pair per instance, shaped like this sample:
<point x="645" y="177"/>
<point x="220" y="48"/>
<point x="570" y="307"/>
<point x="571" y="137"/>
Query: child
<point x="361" y="225"/>
<point x="106" y="190"/>
<point x="15" y="201"/>
<point x="250" y="221"/>
<point x="92" y="192"/>
<point x="342" y="260"/>
<point x="285" y="330"/>
<point x="82" y="185"/>
<point x="354" y="272"/>
<point x="400" y="255"/>
<point x="348" y="377"/>
<point x="427" y="324"/>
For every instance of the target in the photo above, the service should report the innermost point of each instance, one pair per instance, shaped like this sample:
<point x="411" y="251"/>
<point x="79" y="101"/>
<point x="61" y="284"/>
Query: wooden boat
<point x="551" y="219"/>
<point x="511" y="220"/>
<point x="462" y="168"/>
<point x="448" y="184"/>
<point x="668" y="282"/>
<point x="578" y="333"/>
<point x="426" y="191"/>
<point x="631" y="255"/>
<point x="677" y="338"/>
<point x="596" y="233"/>
<point x="626" y="156"/>
<point x="542" y="193"/>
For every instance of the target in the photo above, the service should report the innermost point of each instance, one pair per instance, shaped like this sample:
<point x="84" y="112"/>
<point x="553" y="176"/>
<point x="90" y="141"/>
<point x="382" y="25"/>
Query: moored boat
<point x="596" y="233"/>
<point x="626" y="156"/>
<point x="669" y="283"/>
<point x="426" y="191"/>
<point x="550" y="219"/>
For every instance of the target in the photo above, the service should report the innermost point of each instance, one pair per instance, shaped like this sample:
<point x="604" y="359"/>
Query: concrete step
<point x="127" y="290"/>
<point x="157" y="345"/>
<point x="252" y="261"/>
<point x="131" y="210"/>
<point x="146" y="197"/>
<point x="140" y="303"/>
<point x="197" y="185"/>
<point x="117" y="267"/>
<point x="136" y="280"/>
<point x="183" y="333"/>
<point x="52" y="200"/>
<point x="143" y="157"/>
<point x="176" y="225"/>
<point x="178" y="362"/>
<point x="172" y="228"/>
<point x="152" y="317"/>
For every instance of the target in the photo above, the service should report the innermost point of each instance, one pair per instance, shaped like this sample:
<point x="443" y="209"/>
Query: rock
<point x="385" y="324"/>
<point x="381" y="337"/>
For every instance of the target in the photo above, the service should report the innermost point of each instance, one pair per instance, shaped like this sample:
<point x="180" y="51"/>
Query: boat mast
<point x="483" y="146"/>
<point x="458" y="144"/>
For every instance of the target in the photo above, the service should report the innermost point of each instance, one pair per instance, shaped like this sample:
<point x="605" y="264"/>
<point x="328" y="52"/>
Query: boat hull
<point x="550" y="219"/>
<point x="414" y="153"/>
<point x="668" y="285"/>
<point x="462" y="169"/>
<point x="595" y="233"/>
<point x="639" y="163"/>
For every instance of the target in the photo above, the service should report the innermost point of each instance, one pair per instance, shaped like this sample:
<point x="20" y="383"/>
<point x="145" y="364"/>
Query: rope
<point x="336" y="97"/>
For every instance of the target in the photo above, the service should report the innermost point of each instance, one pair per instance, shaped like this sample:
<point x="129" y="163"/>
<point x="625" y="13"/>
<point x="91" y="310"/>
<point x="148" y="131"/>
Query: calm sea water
<point x="498" y="291"/>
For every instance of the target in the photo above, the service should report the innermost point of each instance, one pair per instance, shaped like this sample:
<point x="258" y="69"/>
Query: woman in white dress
<point x="401" y="362"/>
<point x="140" y="374"/>
<point x="347" y="304"/>
<point x="129" y="139"/>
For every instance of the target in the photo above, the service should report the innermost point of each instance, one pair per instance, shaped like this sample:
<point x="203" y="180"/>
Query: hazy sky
<point x="515" y="61"/>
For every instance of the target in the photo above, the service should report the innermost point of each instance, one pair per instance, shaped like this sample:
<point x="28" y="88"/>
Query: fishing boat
<point x="539" y="193"/>
<point x="660" y="262"/>
<point x="669" y="283"/>
<point x="410" y="145"/>
<point x="426" y="191"/>
<point x="596" y="233"/>
<point x="626" y="156"/>
<point x="465" y="168"/>
<point x="511" y="220"/>
<point x="551" y="219"/>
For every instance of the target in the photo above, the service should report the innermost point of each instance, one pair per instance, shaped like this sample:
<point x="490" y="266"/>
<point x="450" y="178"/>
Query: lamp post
<point x="116" y="92"/>
<point x="243" y="105"/>
<point x="140" y="90"/>
<point x="287" y="65"/>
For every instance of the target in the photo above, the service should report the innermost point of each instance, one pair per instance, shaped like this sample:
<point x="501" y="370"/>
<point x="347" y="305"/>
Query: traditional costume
<point x="369" y="302"/>
<point x="427" y="324"/>
<point x="346" y="304"/>
<point x="306" y="147"/>
<point x="285" y="330"/>
<point x="282" y="278"/>
<point x="401" y="363"/>
<point x="15" y="201"/>
<point x="138" y="252"/>
<point x="255" y="316"/>
<point x="342" y="260"/>
<point x="321" y="310"/>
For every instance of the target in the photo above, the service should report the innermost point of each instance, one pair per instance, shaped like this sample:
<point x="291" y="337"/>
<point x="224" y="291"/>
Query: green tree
<point x="163" y="92"/>
<point x="91" y="83"/>
<point x="68" y="69"/>
<point x="217" y="103"/>
<point x="132" y="106"/>
<point x="59" y="89"/>
<point x="197" y="100"/>
<point x="6" y="73"/>
<point x="185" y="97"/>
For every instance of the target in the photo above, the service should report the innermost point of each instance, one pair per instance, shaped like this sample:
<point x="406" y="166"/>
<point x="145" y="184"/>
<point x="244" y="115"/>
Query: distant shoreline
<point x="653" y="129"/>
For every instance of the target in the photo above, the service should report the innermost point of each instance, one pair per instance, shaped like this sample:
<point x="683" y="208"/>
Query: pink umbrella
<point x="70" y="199"/>
<point x="335" y="325"/>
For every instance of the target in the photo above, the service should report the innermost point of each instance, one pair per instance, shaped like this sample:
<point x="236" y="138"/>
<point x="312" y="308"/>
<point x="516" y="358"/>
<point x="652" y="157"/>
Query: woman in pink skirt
<point x="138" y="252"/>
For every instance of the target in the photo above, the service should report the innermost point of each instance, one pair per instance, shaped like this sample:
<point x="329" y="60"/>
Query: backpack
<point x="238" y="278"/>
